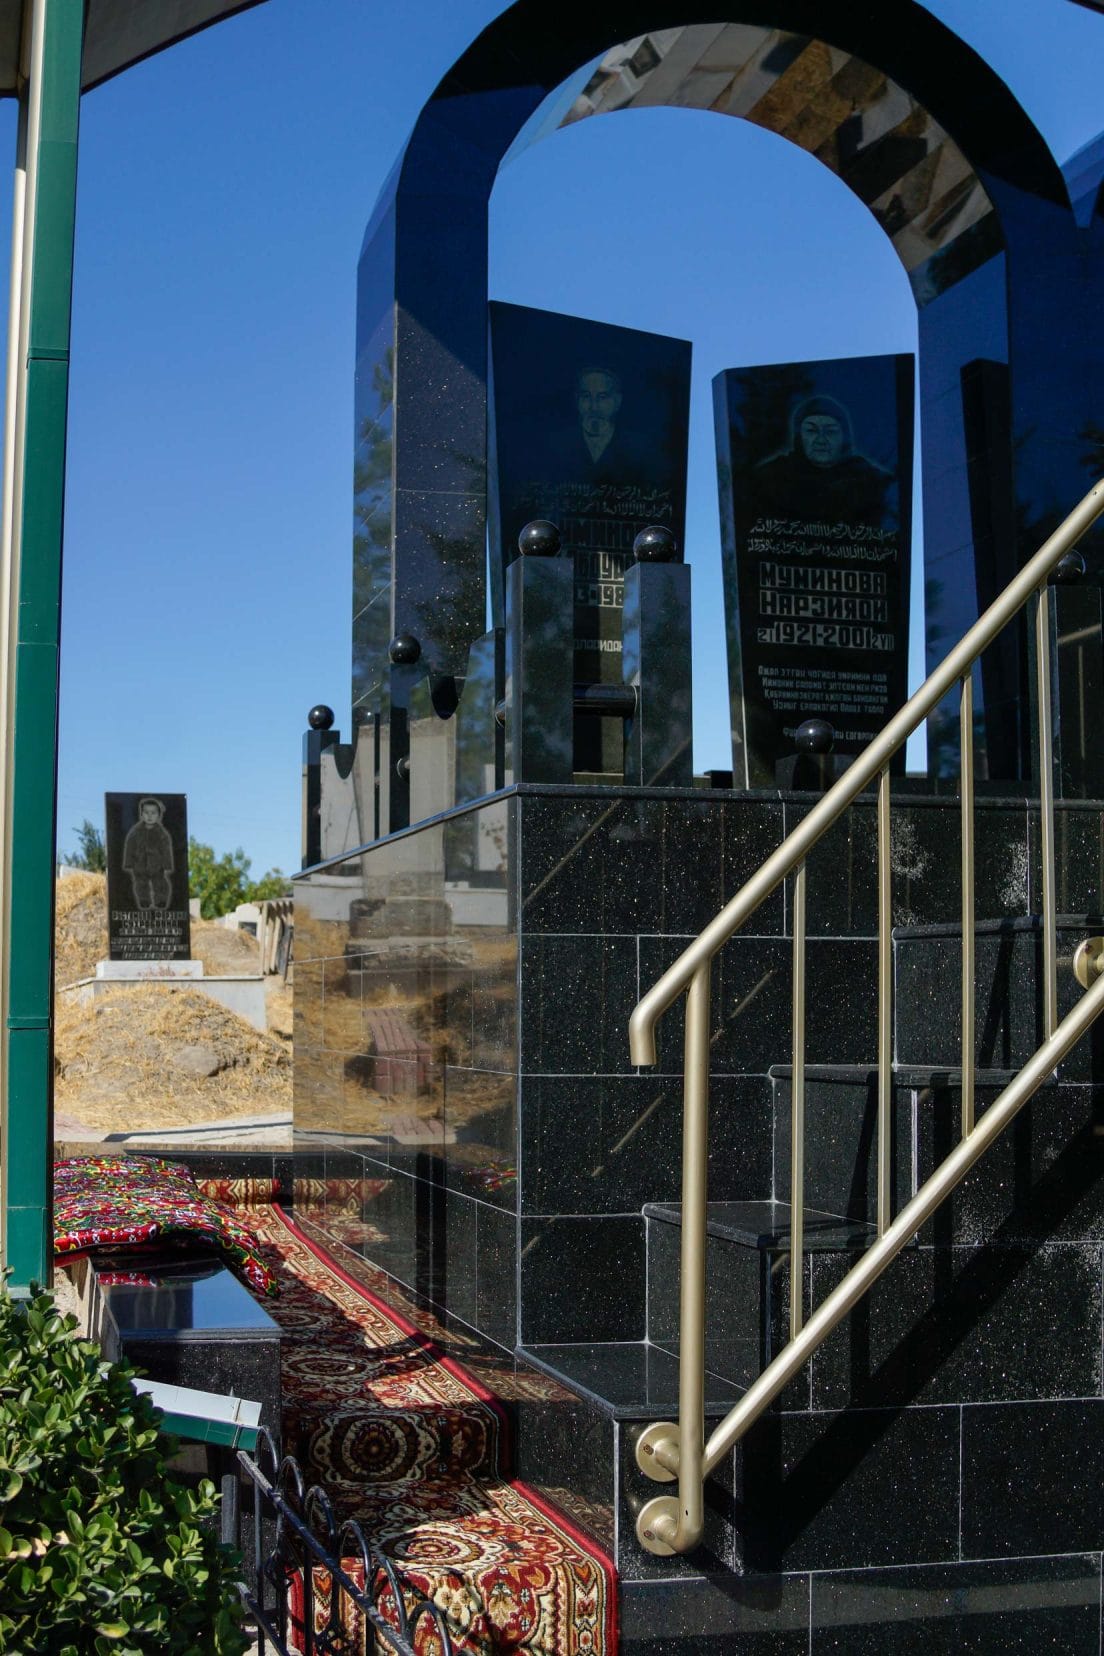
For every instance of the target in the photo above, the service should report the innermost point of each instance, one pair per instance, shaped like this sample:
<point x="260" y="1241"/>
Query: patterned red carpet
<point x="415" y="1447"/>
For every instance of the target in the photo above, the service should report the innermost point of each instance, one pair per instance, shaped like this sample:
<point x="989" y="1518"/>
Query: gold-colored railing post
<point x="966" y="800"/>
<point x="695" y="1152"/>
<point x="797" y="1108"/>
<point x="1046" y="812"/>
<point x="885" y="1002"/>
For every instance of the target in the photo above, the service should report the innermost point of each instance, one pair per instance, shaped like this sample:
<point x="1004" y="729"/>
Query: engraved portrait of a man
<point x="148" y="857"/>
<point x="600" y="449"/>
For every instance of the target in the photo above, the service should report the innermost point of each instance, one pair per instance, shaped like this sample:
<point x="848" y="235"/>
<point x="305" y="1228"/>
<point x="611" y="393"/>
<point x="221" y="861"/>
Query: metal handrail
<point x="665" y="1451"/>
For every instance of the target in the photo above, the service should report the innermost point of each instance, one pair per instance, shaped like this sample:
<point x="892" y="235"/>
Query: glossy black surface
<point x="841" y="1141"/>
<point x="766" y="1225"/>
<point x="1008" y="974"/>
<point x="539" y="675"/>
<point x="842" y="882"/>
<point x="1014" y="1609"/>
<point x="848" y="1490"/>
<point x="911" y="82"/>
<point x="814" y="466"/>
<point x="713" y="1552"/>
<point x="985" y="1324"/>
<point x="630" y="1380"/>
<point x="656" y="659"/>
<point x="582" y="1280"/>
<point x="1032" y="1478"/>
<point x="1042" y="1181"/>
<point x="626" y="1131"/>
<point x="497" y="1136"/>
<point x="752" y="1001"/>
<point x="588" y="428"/>
<point x="762" y="1617"/>
<point x="737" y="1300"/>
<point x="602" y="864"/>
<point x="186" y="1301"/>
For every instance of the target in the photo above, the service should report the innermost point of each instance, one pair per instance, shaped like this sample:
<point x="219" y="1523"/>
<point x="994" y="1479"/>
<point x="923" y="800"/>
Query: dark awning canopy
<point x="118" y="33"/>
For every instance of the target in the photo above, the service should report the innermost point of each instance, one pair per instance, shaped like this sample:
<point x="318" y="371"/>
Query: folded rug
<point x="106" y="1204"/>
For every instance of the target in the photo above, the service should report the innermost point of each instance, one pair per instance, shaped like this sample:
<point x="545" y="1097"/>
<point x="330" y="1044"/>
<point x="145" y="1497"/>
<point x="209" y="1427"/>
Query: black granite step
<point x="841" y="1141"/>
<point x="747" y="1278"/>
<point x="1008" y="978"/>
<point x="766" y="1225"/>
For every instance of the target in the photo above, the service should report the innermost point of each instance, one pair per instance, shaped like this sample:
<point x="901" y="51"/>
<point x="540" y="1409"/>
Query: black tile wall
<point x="624" y="866"/>
<point x="764" y="1617"/>
<point x="611" y="1144"/>
<point x="1043" y="1180"/>
<point x="1009" y="1017"/>
<point x="965" y="1325"/>
<point x="1032" y="1478"/>
<point x="582" y="1279"/>
<point x="714" y="1552"/>
<point x="1014" y="1609"/>
<point x="842" y="882"/>
<point x="736" y="1345"/>
<point x="576" y="996"/>
<point x="752" y="1003"/>
<point x="496" y="1275"/>
<point x="564" y="1442"/>
<point x="848" y="1490"/>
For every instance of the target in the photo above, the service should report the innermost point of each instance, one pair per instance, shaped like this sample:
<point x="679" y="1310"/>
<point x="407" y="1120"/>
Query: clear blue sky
<point x="224" y="189"/>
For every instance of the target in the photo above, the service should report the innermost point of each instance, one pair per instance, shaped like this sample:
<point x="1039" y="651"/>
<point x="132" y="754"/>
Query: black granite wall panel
<point x="467" y="1118"/>
<point x="1002" y="1609"/>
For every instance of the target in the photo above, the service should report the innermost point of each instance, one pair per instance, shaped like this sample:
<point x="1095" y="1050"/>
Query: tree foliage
<point x="101" y="1550"/>
<point x="221" y="883"/>
<point x="91" y="852"/>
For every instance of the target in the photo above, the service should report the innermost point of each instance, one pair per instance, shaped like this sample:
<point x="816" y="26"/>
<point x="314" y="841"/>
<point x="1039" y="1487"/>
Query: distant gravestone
<point x="589" y="430"/>
<point x="814" y="465"/>
<point x="147" y="876"/>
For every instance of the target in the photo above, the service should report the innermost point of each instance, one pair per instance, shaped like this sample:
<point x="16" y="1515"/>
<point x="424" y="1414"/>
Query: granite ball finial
<point x="1068" y="570"/>
<point x="404" y="650"/>
<point x="655" y="545"/>
<point x="539" y="539"/>
<point x="321" y="717"/>
<point x="814" y="736"/>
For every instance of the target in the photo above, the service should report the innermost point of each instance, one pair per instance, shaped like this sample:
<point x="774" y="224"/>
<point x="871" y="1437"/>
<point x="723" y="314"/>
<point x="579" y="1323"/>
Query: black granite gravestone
<point x="147" y="876"/>
<point x="589" y="430"/>
<point x="815" y="475"/>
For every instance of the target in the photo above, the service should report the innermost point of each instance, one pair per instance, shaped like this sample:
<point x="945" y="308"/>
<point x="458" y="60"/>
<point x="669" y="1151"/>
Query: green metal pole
<point x="53" y="93"/>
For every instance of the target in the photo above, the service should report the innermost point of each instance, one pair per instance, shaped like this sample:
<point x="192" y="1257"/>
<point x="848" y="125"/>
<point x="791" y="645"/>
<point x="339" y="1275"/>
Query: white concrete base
<point x="243" y="995"/>
<point x="115" y="971"/>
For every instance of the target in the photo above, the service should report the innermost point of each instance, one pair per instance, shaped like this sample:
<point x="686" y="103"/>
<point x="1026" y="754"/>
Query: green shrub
<point x="100" y="1549"/>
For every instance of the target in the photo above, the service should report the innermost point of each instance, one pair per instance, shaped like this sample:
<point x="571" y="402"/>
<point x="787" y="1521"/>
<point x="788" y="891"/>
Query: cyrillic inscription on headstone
<point x="815" y="473"/>
<point x="147" y="876"/>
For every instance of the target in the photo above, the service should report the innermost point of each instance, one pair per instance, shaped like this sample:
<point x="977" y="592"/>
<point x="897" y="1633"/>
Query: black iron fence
<point x="314" y="1586"/>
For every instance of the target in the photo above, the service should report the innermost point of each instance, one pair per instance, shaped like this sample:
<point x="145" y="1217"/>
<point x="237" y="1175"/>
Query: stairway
<point x="416" y="1448"/>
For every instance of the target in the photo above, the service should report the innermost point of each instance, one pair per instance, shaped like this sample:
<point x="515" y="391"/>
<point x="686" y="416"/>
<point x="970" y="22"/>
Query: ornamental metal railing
<point x="316" y="1586"/>
<point x="667" y="1451"/>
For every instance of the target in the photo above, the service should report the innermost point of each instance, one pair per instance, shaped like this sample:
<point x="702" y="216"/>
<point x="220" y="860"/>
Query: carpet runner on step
<point x="416" y="1448"/>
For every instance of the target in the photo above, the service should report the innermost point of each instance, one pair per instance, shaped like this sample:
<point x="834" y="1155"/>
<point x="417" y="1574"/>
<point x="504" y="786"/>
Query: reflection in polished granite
<point x="632" y="1379"/>
<point x="1014" y="1609"/>
<point x="183" y="1297"/>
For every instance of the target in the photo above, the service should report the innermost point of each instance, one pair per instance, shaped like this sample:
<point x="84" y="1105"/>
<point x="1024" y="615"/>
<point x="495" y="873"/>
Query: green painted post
<point x="40" y="466"/>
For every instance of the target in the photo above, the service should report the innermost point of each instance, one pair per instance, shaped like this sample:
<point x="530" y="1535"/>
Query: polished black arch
<point x="421" y="347"/>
